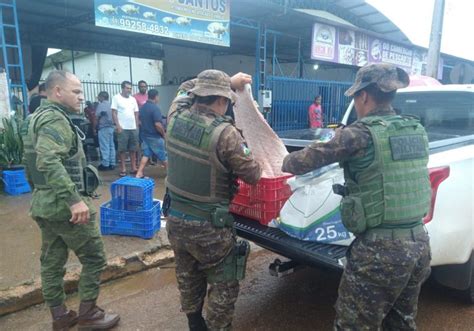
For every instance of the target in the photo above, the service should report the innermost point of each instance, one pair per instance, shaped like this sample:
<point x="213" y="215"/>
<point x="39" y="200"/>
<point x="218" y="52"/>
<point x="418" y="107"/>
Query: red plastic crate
<point x="263" y="201"/>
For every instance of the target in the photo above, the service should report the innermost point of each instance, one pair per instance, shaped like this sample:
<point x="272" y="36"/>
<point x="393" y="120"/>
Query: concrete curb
<point x="22" y="296"/>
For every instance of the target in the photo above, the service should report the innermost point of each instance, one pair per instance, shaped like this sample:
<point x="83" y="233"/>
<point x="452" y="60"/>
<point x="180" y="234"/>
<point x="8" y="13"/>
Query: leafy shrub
<point x="11" y="144"/>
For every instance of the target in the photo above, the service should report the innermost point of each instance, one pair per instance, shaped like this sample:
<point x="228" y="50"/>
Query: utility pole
<point x="435" y="39"/>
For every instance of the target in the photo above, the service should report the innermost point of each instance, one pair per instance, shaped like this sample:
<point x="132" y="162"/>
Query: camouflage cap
<point x="187" y="85"/>
<point x="213" y="82"/>
<point x="387" y="77"/>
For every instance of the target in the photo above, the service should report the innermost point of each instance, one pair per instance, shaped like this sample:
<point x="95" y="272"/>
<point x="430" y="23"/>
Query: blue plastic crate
<point x="15" y="182"/>
<point x="143" y="223"/>
<point x="133" y="194"/>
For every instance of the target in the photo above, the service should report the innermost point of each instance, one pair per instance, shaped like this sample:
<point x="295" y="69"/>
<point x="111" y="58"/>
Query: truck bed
<point x="304" y="252"/>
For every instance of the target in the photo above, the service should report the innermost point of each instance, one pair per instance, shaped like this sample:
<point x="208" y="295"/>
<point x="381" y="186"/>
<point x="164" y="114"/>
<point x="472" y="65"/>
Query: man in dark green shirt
<point x="61" y="207"/>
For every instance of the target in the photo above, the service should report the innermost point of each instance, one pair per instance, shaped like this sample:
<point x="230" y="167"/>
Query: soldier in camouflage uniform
<point x="56" y="164"/>
<point x="387" y="192"/>
<point x="206" y="153"/>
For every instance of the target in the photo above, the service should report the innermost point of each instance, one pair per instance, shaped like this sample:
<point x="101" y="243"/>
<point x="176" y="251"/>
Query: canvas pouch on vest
<point x="220" y="218"/>
<point x="234" y="265"/>
<point x="389" y="187"/>
<point x="91" y="179"/>
<point x="352" y="214"/>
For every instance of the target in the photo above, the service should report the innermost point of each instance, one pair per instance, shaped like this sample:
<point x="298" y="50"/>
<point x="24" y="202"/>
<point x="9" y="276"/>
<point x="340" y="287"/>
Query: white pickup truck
<point x="447" y="112"/>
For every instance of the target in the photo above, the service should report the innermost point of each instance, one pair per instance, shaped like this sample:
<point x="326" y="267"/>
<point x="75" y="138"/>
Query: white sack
<point x="312" y="212"/>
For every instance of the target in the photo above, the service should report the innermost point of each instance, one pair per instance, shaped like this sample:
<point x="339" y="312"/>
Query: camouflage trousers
<point x="198" y="247"/>
<point x="85" y="241"/>
<point x="381" y="283"/>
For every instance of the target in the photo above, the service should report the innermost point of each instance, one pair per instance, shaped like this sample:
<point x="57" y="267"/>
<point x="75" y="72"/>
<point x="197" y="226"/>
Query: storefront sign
<point x="203" y="21"/>
<point x="341" y="45"/>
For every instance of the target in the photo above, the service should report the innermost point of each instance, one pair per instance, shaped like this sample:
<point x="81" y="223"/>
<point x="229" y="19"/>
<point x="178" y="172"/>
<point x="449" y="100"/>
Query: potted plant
<point x="11" y="145"/>
<point x="11" y="154"/>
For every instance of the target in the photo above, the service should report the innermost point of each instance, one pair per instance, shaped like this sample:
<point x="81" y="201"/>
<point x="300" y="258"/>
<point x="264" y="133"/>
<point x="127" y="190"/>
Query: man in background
<point x="141" y="96"/>
<point x="105" y="130"/>
<point x="152" y="132"/>
<point x="125" y="115"/>
<point x="35" y="101"/>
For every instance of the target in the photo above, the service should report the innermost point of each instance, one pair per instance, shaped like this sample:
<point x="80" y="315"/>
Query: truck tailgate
<point x="305" y="252"/>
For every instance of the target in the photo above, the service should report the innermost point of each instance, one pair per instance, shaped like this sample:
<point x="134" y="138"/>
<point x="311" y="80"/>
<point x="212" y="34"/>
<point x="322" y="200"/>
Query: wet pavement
<point x="301" y="301"/>
<point x="20" y="240"/>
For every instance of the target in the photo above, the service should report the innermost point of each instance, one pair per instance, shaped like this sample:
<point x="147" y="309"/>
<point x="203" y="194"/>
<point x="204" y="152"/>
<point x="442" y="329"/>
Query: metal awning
<point x="69" y="24"/>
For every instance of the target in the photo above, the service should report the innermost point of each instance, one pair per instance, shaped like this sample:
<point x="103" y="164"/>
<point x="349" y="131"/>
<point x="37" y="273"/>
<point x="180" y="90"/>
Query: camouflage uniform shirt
<point x="381" y="282"/>
<point x="199" y="247"/>
<point x="55" y="142"/>
<point x="231" y="149"/>
<point x="349" y="142"/>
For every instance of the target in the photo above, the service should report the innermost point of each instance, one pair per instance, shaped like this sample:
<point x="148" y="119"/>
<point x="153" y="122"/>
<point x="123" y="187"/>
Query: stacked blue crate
<point x="132" y="210"/>
<point x="15" y="182"/>
<point x="133" y="194"/>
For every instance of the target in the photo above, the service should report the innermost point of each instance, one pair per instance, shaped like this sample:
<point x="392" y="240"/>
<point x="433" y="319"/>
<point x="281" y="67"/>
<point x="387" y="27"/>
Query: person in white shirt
<point x="125" y="116"/>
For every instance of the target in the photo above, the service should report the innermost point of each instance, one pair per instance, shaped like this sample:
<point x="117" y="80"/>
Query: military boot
<point x="92" y="317"/>
<point x="196" y="322"/>
<point x="63" y="318"/>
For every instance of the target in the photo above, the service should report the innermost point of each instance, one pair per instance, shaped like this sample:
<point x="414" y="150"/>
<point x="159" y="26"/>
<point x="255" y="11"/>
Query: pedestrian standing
<point x="152" y="132"/>
<point x="105" y="129"/>
<point x="125" y="115"/>
<point x="206" y="153"/>
<point x="386" y="194"/>
<point x="61" y="206"/>
<point x="35" y="101"/>
<point x="315" y="113"/>
<point x="142" y="95"/>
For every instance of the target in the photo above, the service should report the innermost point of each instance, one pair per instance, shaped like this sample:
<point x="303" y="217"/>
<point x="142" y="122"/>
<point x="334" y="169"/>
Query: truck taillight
<point x="437" y="175"/>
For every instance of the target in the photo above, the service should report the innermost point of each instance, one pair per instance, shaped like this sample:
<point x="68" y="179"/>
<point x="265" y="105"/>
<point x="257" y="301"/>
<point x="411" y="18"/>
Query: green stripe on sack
<point x="319" y="220"/>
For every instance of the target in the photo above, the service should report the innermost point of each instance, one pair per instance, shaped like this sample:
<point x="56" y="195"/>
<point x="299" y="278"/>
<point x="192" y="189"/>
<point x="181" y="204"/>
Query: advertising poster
<point x="205" y="21"/>
<point x="352" y="47"/>
<point x="324" y="42"/>
<point x="385" y="52"/>
<point x="345" y="46"/>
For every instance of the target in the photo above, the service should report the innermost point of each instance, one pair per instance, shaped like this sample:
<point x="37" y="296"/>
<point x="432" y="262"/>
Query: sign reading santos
<point x="203" y="21"/>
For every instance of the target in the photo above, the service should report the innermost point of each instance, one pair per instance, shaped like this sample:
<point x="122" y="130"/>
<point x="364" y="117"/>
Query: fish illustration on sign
<point x="324" y="36"/>
<point x="183" y="20"/>
<point x="149" y="15"/>
<point x="130" y="9"/>
<point x="217" y="28"/>
<point x="107" y="9"/>
<point x="168" y="20"/>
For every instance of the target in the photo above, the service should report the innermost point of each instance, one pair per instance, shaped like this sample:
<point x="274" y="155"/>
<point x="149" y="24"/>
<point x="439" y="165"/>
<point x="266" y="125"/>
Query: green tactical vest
<point x="194" y="169"/>
<point x="74" y="164"/>
<point x="390" y="186"/>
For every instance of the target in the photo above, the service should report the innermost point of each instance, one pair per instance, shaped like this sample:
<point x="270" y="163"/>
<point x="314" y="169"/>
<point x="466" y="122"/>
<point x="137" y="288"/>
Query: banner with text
<point x="341" y="45"/>
<point x="205" y="21"/>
